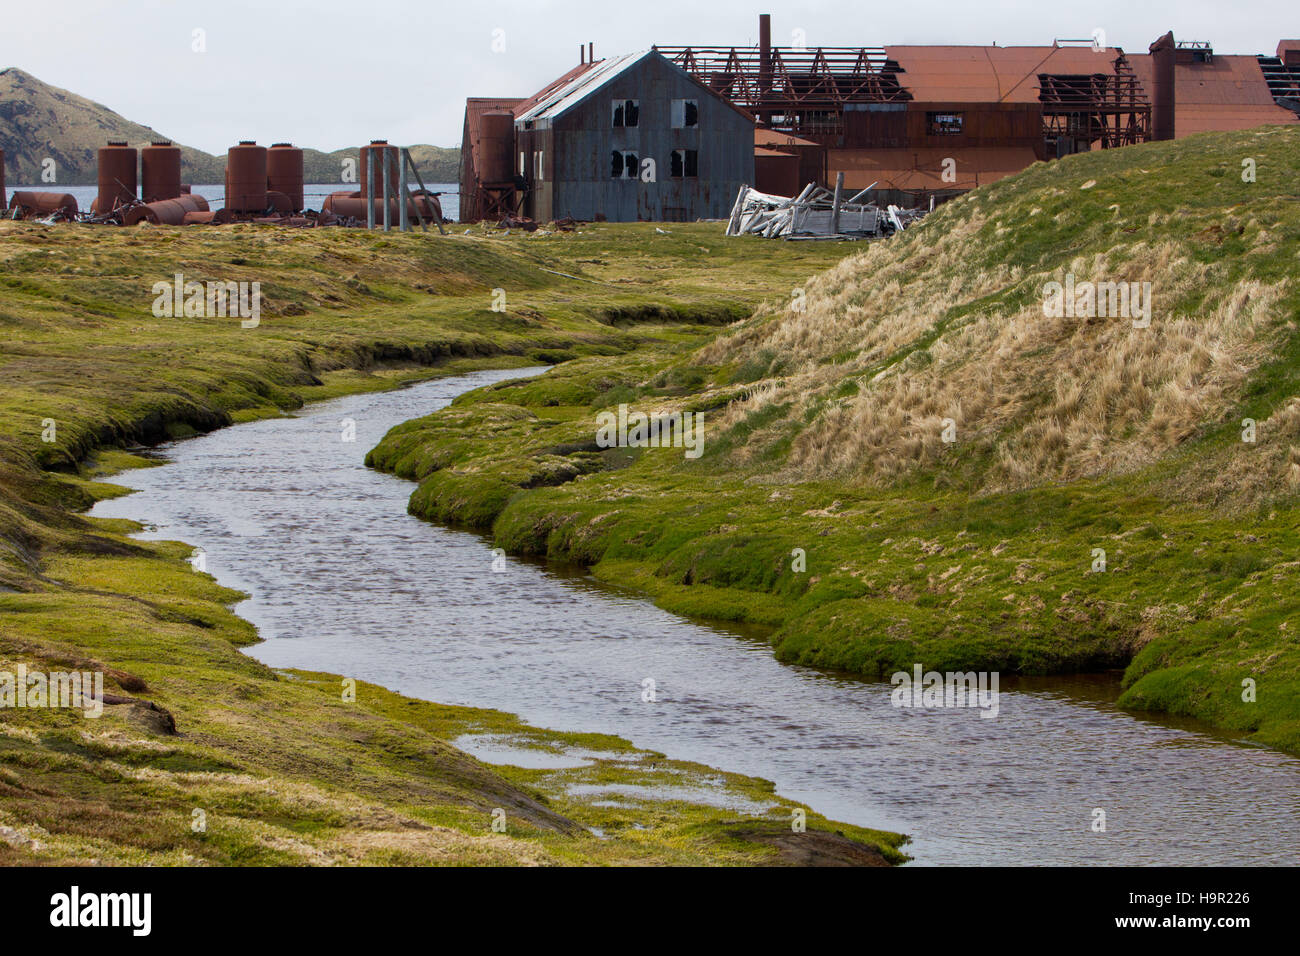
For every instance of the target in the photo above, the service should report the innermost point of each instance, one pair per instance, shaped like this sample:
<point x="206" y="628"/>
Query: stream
<point x="343" y="580"/>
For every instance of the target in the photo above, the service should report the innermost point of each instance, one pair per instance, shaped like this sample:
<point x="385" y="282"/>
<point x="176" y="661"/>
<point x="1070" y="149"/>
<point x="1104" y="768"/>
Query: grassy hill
<point x="971" y="482"/>
<point x="39" y="121"/>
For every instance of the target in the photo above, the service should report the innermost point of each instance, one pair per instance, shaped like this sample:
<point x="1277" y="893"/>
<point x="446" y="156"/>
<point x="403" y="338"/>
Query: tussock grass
<point x="825" y="433"/>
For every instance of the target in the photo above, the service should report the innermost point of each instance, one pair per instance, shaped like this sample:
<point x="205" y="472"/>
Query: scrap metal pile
<point x="816" y="213"/>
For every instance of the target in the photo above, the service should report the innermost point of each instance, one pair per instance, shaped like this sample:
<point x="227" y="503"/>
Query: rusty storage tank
<point x="353" y="205"/>
<point x="380" y="147"/>
<point x="284" y="172"/>
<point x="117" y="181"/>
<point x="497" y="147"/>
<point x="246" y="177"/>
<point x="32" y="205"/>
<point x="160" y="171"/>
<point x="165" y="212"/>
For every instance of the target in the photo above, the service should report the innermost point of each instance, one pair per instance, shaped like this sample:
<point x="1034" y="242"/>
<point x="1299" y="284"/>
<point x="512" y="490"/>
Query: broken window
<point x="686" y="113"/>
<point x="523" y="164"/>
<point x="685" y="164"/>
<point x="624" y="165"/>
<point x="626" y="113"/>
<point x="539" y="167"/>
<point x="945" y="124"/>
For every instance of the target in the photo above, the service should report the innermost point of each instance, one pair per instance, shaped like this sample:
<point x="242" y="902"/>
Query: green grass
<point x="284" y="769"/>
<point x="939" y="563"/>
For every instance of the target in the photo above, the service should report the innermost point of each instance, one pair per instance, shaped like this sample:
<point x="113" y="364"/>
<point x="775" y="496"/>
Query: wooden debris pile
<point x="816" y="213"/>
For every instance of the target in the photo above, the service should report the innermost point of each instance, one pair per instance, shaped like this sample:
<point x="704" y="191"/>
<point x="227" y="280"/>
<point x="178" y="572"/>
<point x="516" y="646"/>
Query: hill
<point x="916" y="458"/>
<point x="39" y="121"/>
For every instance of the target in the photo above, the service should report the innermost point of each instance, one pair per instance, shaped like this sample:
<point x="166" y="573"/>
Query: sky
<point x="330" y="74"/>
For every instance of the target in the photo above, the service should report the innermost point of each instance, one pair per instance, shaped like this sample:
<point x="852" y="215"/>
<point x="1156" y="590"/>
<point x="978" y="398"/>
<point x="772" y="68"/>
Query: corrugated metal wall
<point x="577" y="152"/>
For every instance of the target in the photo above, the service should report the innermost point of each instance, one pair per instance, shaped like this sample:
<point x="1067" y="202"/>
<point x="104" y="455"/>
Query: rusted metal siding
<point x="579" y="143"/>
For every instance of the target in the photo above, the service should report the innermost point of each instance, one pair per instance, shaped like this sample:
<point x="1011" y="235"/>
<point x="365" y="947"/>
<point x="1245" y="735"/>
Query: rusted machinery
<point x="246" y="178"/>
<point x="165" y="212"/>
<point x="160" y="171"/>
<point x="284" y="173"/>
<point x="33" y="205"/>
<point x="352" y="205"/>
<point x="117" y="181"/>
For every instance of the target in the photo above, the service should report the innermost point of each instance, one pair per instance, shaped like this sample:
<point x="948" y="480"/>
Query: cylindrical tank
<point x="197" y="218"/>
<point x="246" y="177"/>
<point x="350" y="205"/>
<point x="165" y="212"/>
<point x="160" y="171"/>
<point x="284" y="172"/>
<point x="117" y="180"/>
<point x="34" y="204"/>
<point x="497" y="147"/>
<point x="380" y="147"/>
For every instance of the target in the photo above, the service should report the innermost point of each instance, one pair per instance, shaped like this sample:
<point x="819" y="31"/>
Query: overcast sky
<point x="330" y="74"/>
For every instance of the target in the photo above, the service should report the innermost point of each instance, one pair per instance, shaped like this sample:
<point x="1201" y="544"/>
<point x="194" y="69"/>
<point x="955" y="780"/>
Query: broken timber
<point x="816" y="213"/>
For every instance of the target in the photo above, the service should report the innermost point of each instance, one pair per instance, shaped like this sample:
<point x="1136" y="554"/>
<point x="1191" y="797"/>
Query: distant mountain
<point x="39" y="121"/>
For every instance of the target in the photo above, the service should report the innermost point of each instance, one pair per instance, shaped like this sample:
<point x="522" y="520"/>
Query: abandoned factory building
<point x="629" y="138"/>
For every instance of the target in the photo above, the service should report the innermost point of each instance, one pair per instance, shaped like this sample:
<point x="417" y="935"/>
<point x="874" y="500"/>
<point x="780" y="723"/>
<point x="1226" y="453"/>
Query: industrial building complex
<point x="907" y="124"/>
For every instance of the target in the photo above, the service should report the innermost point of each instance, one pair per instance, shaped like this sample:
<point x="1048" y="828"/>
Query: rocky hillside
<point x="39" y="121"/>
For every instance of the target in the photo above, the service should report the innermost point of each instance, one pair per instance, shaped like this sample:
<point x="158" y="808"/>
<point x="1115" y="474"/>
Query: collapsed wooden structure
<point x="816" y="213"/>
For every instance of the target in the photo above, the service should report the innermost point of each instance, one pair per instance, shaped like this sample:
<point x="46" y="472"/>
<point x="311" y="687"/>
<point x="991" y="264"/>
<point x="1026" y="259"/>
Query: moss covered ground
<point x="204" y="756"/>
<point x="1112" y="497"/>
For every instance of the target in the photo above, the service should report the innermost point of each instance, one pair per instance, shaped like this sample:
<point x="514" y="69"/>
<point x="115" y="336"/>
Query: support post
<point x="835" y="209"/>
<point x="370" y="189"/>
<point x="387" y="212"/>
<point x="403" y="218"/>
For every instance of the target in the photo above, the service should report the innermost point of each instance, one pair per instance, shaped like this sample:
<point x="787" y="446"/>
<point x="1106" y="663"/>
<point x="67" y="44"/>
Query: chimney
<point x="765" y="51"/>
<point x="591" y="52"/>
<point x="582" y="53"/>
<point x="1163" y="96"/>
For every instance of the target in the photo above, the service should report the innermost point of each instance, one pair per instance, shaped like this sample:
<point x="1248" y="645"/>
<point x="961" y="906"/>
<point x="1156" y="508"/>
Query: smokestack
<point x="591" y="52"/>
<point x="582" y="53"/>
<point x="765" y="51"/>
<point x="1163" y="96"/>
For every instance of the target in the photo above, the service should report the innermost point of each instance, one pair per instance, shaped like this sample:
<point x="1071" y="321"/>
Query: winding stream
<point x="344" y="580"/>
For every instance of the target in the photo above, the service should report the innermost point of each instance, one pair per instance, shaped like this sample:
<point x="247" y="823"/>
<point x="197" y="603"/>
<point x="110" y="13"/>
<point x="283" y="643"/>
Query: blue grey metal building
<point x="633" y="138"/>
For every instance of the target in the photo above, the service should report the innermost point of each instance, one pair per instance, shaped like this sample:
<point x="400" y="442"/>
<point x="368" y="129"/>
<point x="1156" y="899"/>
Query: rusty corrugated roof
<point x="1228" y="93"/>
<point x="996" y="74"/>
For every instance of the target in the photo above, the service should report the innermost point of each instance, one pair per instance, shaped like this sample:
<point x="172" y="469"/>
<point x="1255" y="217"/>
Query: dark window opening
<point x="624" y="165"/>
<point x="685" y="164"/>
<point x="945" y="124"/>
<point x="686" y="113"/>
<point x="627" y="113"/>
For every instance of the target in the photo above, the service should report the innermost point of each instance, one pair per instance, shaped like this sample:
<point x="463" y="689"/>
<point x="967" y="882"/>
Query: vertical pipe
<point x="387" y="189"/>
<point x="1163" y="100"/>
<point x="591" y="52"/>
<point x="765" y="51"/>
<point x="835" y="209"/>
<point x="403" y="220"/>
<point x="582" y="53"/>
<point x="370" y="189"/>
